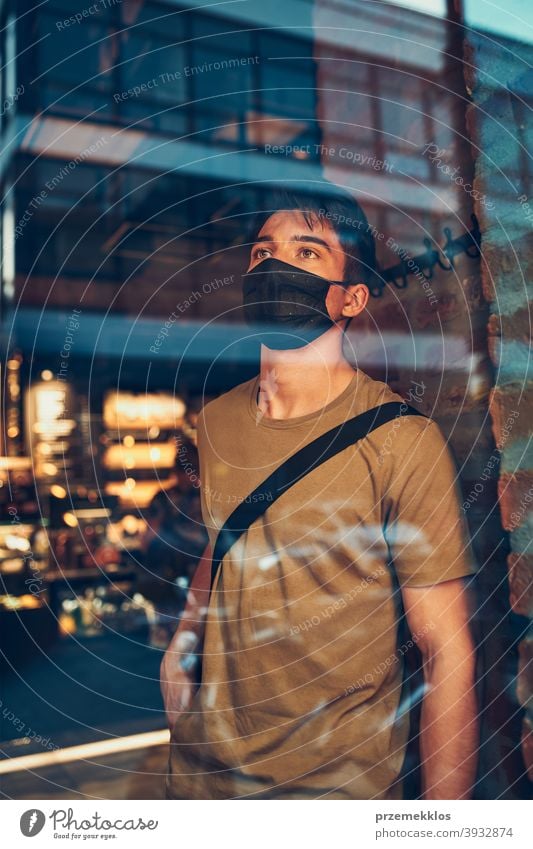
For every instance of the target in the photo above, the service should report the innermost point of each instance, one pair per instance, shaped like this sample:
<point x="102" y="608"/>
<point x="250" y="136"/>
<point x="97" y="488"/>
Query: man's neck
<point x="303" y="381"/>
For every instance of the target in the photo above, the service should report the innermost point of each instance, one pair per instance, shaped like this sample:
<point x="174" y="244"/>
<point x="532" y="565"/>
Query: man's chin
<point x="283" y="343"/>
<point x="293" y="340"/>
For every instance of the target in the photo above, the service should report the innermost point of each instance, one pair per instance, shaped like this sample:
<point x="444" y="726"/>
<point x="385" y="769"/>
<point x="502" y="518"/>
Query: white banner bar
<point x="304" y="825"/>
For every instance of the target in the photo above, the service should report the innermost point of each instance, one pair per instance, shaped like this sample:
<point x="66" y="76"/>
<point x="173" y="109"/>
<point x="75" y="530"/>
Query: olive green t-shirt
<point x="302" y="663"/>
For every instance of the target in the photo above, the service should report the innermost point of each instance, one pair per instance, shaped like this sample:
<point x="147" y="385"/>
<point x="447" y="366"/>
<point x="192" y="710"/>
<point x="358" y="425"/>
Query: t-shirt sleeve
<point x="425" y="528"/>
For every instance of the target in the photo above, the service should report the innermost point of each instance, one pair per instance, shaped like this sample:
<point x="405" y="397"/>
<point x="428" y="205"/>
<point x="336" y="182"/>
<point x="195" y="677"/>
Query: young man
<point x="302" y="668"/>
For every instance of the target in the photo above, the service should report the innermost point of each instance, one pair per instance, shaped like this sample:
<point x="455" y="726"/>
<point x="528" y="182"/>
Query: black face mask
<point x="285" y="304"/>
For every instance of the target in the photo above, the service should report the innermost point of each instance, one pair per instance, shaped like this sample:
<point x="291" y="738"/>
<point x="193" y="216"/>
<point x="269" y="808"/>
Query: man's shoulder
<point x="408" y="427"/>
<point x="374" y="391"/>
<point x="228" y="404"/>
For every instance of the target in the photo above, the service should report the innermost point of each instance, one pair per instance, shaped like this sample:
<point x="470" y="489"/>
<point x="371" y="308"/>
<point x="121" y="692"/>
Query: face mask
<point x="286" y="305"/>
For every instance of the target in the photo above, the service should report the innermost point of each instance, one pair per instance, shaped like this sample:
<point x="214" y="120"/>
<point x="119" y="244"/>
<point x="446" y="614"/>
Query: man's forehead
<point x="297" y="220"/>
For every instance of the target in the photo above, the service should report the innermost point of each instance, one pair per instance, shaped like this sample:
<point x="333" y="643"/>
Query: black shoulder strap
<point x="296" y="467"/>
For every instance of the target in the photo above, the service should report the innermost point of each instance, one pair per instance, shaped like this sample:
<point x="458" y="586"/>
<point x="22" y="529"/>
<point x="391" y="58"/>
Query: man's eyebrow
<point x="315" y="240"/>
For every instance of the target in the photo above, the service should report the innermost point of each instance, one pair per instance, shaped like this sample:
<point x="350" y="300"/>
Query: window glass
<point x="153" y="66"/>
<point x="75" y="55"/>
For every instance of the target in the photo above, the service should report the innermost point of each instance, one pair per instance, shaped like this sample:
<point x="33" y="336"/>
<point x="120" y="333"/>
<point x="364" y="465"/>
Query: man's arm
<point x="438" y="618"/>
<point x="177" y="676"/>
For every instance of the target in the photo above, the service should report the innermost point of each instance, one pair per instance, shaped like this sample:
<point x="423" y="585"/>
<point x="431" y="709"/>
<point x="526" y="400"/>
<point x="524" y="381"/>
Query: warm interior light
<point x="91" y="513"/>
<point x="142" y="455"/>
<point x="70" y="520"/>
<point x="131" y="411"/>
<point x="86" y="751"/>
<point x="15" y="543"/>
<point x="137" y="498"/>
<point x="130" y="524"/>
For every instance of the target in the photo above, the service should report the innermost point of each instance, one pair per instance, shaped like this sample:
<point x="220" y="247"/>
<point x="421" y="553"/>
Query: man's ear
<point x="356" y="299"/>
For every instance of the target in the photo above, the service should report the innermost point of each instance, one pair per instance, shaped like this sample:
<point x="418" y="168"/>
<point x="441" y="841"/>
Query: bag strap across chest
<point x="296" y="467"/>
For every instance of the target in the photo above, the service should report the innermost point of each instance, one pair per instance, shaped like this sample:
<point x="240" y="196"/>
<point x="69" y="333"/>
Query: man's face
<point x="287" y="237"/>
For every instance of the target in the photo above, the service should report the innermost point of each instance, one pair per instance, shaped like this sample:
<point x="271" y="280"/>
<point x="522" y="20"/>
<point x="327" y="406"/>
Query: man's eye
<point x="260" y="253"/>
<point x="308" y="253"/>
